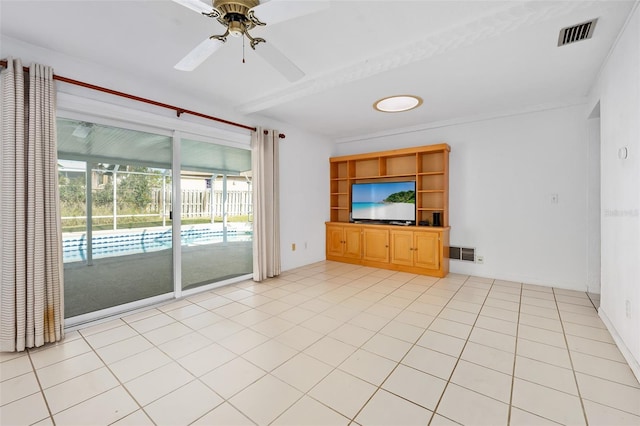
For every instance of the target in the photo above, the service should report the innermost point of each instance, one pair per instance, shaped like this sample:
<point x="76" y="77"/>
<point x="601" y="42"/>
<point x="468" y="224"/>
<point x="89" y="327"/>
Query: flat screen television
<point x="384" y="201"/>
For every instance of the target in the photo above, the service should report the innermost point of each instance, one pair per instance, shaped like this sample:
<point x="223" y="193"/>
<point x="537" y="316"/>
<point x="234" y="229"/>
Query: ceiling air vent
<point x="575" y="33"/>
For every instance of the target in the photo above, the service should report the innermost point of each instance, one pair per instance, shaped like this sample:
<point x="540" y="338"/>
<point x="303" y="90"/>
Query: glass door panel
<point x="115" y="199"/>
<point x="216" y="213"/>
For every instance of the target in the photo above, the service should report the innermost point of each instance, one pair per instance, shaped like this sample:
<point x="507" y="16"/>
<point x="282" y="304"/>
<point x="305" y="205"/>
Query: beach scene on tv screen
<point x="384" y="201"/>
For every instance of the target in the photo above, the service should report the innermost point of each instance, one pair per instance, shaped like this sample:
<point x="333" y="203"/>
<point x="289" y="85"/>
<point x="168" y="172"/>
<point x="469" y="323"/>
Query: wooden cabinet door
<point x="335" y="245"/>
<point x="375" y="245"/>
<point x="352" y="245"/>
<point x="402" y="247"/>
<point x="427" y="250"/>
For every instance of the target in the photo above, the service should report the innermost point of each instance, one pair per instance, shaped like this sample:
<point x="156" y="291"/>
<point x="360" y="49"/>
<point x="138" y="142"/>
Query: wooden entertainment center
<point x="420" y="247"/>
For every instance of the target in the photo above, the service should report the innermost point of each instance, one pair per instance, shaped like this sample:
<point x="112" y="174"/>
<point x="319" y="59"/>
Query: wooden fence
<point x="199" y="203"/>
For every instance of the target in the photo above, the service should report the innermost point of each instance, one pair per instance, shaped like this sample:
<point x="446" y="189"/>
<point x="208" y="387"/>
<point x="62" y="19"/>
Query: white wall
<point x="618" y="92"/>
<point x="304" y="194"/>
<point x="304" y="198"/>
<point x="503" y="172"/>
<point x="593" y="202"/>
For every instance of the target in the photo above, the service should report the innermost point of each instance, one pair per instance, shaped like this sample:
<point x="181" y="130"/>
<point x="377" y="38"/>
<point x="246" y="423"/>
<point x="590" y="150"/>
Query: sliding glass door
<point x="118" y="201"/>
<point x="216" y="219"/>
<point x="116" y="230"/>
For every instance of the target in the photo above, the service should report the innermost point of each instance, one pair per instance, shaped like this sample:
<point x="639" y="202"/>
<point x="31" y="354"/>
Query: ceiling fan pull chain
<point x="243" y="50"/>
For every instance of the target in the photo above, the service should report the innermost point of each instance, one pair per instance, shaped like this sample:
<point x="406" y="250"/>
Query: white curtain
<point x="266" y="204"/>
<point x="31" y="296"/>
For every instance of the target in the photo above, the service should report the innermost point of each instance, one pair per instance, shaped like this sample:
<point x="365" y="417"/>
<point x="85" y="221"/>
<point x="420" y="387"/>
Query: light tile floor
<point x="332" y="344"/>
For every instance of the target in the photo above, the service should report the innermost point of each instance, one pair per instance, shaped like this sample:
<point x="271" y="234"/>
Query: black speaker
<point x="436" y="219"/>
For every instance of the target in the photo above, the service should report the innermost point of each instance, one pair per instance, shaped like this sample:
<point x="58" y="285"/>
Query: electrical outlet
<point x="293" y="246"/>
<point x="305" y="245"/>
<point x="627" y="304"/>
<point x="554" y="198"/>
<point x="480" y="259"/>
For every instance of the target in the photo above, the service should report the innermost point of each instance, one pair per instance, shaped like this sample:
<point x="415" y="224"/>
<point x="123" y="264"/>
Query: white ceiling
<point x="464" y="58"/>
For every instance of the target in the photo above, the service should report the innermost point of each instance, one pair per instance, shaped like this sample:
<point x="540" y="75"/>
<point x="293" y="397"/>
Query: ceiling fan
<point x="241" y="16"/>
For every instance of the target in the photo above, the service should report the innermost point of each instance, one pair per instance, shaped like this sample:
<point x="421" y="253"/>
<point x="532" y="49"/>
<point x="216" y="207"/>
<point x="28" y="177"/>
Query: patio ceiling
<point x="98" y="143"/>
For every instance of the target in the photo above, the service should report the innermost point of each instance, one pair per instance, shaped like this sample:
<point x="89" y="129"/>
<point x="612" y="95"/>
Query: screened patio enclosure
<point x="139" y="227"/>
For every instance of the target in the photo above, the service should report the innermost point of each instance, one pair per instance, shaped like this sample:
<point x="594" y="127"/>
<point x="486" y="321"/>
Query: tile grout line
<point x="592" y="302"/>
<point x="120" y="383"/>
<point x="195" y="378"/>
<point x="74" y="377"/>
<point x="269" y="373"/>
<point x="105" y="365"/>
<point x="573" y="370"/>
<point x="46" y="402"/>
<point x="545" y="362"/>
<point x="399" y="361"/>
<point x="515" y="357"/>
<point x="343" y="321"/>
<point x="199" y="377"/>
<point x="352" y="420"/>
<point x="512" y="376"/>
<point x="550" y="364"/>
<point x="435" y="409"/>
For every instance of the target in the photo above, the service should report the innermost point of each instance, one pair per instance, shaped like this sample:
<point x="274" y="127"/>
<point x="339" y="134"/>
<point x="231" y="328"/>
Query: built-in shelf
<point x="416" y="249"/>
<point x="428" y="166"/>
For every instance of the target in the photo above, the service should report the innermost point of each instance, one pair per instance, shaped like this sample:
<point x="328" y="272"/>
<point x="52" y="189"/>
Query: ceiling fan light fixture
<point x="236" y="29"/>
<point x="239" y="17"/>
<point x="398" y="103"/>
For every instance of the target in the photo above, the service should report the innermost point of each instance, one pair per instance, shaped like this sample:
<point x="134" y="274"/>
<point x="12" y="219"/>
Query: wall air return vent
<point x="462" y="253"/>
<point x="575" y="33"/>
<point x="454" y="253"/>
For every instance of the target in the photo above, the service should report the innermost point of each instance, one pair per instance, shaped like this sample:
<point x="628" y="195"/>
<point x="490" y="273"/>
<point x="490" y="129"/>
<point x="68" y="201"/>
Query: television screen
<point x="385" y="201"/>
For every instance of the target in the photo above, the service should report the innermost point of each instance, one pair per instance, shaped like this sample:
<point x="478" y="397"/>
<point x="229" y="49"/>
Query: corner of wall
<point x="634" y="364"/>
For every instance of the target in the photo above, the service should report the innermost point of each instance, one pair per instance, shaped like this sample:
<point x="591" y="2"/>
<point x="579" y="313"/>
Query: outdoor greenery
<point x="402" y="197"/>
<point x="133" y="191"/>
<point x="72" y="195"/>
<point x="136" y="187"/>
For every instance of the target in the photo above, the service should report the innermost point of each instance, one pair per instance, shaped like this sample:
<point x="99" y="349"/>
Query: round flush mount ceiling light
<point x="398" y="103"/>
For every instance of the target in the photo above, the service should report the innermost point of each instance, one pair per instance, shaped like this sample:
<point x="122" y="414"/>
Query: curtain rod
<point x="179" y="111"/>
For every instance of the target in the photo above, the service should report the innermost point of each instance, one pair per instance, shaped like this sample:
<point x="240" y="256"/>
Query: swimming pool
<point x="114" y="243"/>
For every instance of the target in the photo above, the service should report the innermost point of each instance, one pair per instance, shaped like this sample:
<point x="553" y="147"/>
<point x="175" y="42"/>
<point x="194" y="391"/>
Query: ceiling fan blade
<point x="277" y="60"/>
<point x="195" y="5"/>
<point x="199" y="54"/>
<point x="275" y="11"/>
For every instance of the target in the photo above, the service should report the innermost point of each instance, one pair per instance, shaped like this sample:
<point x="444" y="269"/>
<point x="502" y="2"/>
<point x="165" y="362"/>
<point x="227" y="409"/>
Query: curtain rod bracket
<point x="179" y="112"/>
<point x="280" y="135"/>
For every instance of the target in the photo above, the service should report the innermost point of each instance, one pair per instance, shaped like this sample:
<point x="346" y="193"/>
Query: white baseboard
<point x="626" y="353"/>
